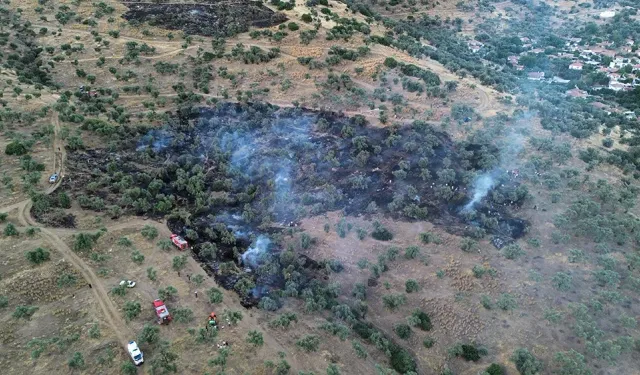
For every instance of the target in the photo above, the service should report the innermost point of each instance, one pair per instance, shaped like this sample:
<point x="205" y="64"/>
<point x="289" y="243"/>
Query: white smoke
<point x="510" y="149"/>
<point x="252" y="255"/>
<point x="481" y="187"/>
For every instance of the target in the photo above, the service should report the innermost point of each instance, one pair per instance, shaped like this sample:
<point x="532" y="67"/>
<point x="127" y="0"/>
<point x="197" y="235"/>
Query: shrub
<point x="427" y="238"/>
<point x="333" y="369"/>
<point x="137" y="257"/>
<point x="179" y="262"/>
<point x="381" y="233"/>
<point x="150" y="334"/>
<point x="607" y="142"/>
<point x="4" y="302"/>
<point x="359" y="349"/>
<point x="124" y="242"/>
<point x="38" y="256"/>
<point x="306" y="18"/>
<point x="309" y="343"/>
<point x="571" y="363"/>
<point x="468" y="245"/>
<point x="283" y="320"/>
<point x="393" y="301"/>
<point x="215" y="295"/>
<point x="131" y="309"/>
<point x="562" y="281"/>
<point x="167" y="293"/>
<point x="390" y="62"/>
<point x="233" y="317"/>
<point x="255" y="338"/>
<point x="24" y="311"/>
<point x="10" y="230"/>
<point x="525" y="362"/>
<point x="411" y="252"/>
<point x="76" y="361"/>
<point x="120" y="290"/>
<point x="411" y="286"/>
<point x="606" y="277"/>
<point x="512" y="251"/>
<point x="94" y="331"/>
<point x="3" y="217"/>
<point x="182" y="315"/>
<point x="470" y="353"/>
<point x="495" y="369"/>
<point x="197" y="279"/>
<point x="268" y="303"/>
<point x="402" y="330"/>
<point x="165" y="244"/>
<point x="67" y="280"/>
<point x="149" y="232"/>
<point x="334" y="265"/>
<point x="152" y="274"/>
<point x="293" y="26"/>
<point x="15" y="148"/>
<point x="428" y="342"/>
<point x="84" y="241"/>
<point x="506" y="302"/>
<point x="128" y="368"/>
<point x="422" y="320"/>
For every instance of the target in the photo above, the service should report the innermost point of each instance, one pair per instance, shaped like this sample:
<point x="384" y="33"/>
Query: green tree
<point x="233" y="317"/>
<point x="402" y="330"/>
<point x="137" y="257"/>
<point x="128" y="368"/>
<point x="67" y="280"/>
<point x="149" y="232"/>
<point x="182" y="315"/>
<point x="94" y="331"/>
<point x="411" y="286"/>
<point x="152" y="274"/>
<point x="167" y="293"/>
<point x="525" y="362"/>
<point x="512" y="251"/>
<point x="333" y="369"/>
<point x="76" y="361"/>
<point x="10" y="230"/>
<point x="571" y="363"/>
<point x="215" y="295"/>
<point x="131" y="309"/>
<point x="562" y="281"/>
<point x="165" y="244"/>
<point x="164" y="359"/>
<point x="84" y="241"/>
<point x="150" y="334"/>
<point x="24" y="311"/>
<point x="255" y="338"/>
<point x="309" y="343"/>
<point x="38" y="256"/>
<point x="506" y="302"/>
<point x="179" y="262"/>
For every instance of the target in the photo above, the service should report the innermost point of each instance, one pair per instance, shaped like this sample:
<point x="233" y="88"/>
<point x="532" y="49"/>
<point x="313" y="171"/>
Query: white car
<point x="128" y="283"/>
<point x="135" y="353"/>
<point x="54" y="178"/>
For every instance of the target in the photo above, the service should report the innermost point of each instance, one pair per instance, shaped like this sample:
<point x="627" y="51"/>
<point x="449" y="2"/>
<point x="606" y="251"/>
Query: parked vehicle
<point x="135" y="353"/>
<point x="161" y="312"/>
<point x="179" y="242"/>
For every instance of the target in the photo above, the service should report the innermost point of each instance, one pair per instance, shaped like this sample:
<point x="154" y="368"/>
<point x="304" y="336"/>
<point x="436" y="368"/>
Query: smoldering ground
<point x="229" y="175"/>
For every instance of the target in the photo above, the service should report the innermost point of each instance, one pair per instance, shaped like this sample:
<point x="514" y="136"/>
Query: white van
<point x="135" y="353"/>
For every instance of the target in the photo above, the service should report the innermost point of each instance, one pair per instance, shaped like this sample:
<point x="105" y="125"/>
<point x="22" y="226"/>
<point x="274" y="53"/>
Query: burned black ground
<point x="231" y="174"/>
<point x="209" y="18"/>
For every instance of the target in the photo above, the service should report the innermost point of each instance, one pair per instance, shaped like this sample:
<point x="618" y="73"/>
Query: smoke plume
<point x="253" y="254"/>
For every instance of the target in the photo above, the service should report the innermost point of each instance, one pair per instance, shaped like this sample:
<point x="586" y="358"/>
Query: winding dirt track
<point x="110" y="311"/>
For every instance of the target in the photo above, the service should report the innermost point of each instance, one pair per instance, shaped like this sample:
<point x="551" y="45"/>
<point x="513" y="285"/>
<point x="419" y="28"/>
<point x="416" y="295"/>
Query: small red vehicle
<point x="179" y="242"/>
<point x="161" y="312"/>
